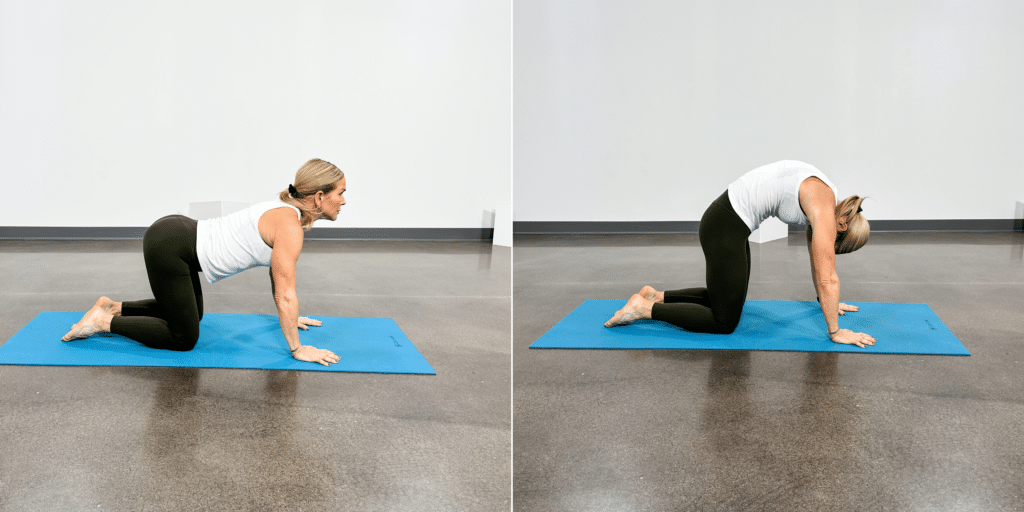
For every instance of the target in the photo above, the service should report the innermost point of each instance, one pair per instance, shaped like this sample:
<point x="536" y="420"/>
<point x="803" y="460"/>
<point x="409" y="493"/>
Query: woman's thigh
<point x="723" y="238"/>
<point x="167" y="247"/>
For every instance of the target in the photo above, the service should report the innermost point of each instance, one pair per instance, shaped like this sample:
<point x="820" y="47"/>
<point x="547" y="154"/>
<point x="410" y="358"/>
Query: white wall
<point x="647" y="110"/>
<point x="117" y="112"/>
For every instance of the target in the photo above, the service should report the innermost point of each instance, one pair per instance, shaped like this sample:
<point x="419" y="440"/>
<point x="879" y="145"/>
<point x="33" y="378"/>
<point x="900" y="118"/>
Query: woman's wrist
<point x="833" y="333"/>
<point x="296" y="348"/>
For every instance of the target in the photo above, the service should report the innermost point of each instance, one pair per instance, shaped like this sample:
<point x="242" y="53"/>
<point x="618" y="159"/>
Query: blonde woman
<point x="176" y="248"/>
<point x="796" y="193"/>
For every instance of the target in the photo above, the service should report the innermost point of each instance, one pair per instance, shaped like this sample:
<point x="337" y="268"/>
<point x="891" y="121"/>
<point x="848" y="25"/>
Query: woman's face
<point x="332" y="202"/>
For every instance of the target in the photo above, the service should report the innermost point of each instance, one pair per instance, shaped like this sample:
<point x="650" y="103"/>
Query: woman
<point x="796" y="193"/>
<point x="176" y="248"/>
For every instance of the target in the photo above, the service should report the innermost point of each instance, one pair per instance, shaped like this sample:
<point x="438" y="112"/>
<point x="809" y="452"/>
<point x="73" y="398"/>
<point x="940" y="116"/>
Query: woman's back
<point x="773" y="190"/>
<point x="231" y="244"/>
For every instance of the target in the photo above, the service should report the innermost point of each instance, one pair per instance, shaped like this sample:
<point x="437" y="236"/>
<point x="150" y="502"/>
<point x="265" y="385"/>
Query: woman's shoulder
<point x="816" y="197"/>
<point x="276" y="206"/>
<point x="279" y="214"/>
<point x="812" y="177"/>
<point x="277" y="223"/>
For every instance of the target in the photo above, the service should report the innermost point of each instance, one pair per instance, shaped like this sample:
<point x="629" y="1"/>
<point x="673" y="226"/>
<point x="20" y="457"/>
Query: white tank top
<point x="230" y="244"/>
<point x="773" y="190"/>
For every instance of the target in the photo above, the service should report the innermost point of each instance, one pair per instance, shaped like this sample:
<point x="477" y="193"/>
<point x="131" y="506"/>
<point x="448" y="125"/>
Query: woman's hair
<point x="314" y="176"/>
<point x="857" y="227"/>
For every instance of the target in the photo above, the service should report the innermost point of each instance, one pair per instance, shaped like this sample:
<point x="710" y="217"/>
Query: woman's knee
<point x="184" y="345"/>
<point x="185" y="340"/>
<point x="728" y="325"/>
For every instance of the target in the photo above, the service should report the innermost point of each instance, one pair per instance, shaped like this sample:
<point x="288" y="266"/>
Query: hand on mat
<point x="315" y="355"/>
<point x="843" y="308"/>
<point x="848" y="337"/>
<point x="304" y="323"/>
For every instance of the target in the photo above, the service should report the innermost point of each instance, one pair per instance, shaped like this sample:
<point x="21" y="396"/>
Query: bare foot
<point x="637" y="308"/>
<point x="94" y="321"/>
<point x="651" y="294"/>
<point x="112" y="308"/>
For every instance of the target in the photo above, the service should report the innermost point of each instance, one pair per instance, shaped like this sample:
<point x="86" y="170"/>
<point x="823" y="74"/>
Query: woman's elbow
<point x="286" y="296"/>
<point x="829" y="281"/>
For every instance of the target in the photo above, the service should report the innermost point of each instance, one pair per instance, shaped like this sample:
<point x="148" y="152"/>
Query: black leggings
<point x="170" y="320"/>
<point x="717" y="308"/>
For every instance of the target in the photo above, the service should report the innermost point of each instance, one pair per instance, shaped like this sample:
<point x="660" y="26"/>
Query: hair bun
<point x="293" y="191"/>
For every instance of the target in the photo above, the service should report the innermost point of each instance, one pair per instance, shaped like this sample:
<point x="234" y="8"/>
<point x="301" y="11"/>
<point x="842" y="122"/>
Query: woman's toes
<point x="91" y="323"/>
<point x="615" y="319"/>
<point x="73" y="333"/>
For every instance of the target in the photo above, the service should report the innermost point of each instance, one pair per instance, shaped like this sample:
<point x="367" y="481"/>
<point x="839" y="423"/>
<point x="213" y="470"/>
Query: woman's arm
<point x="818" y="202"/>
<point x="823" y="272"/>
<point x="304" y="323"/>
<point x="287" y="247"/>
<point x="283" y="258"/>
<point x="843" y="308"/>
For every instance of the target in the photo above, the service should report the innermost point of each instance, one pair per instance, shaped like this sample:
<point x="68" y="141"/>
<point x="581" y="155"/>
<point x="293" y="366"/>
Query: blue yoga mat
<point x="764" y="325"/>
<point x="373" y="345"/>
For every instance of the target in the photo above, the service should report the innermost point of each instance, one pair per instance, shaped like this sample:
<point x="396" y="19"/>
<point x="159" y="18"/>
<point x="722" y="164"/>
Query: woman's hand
<point x="848" y="337"/>
<point x="843" y="308"/>
<point x="312" y="354"/>
<point x="305" y="323"/>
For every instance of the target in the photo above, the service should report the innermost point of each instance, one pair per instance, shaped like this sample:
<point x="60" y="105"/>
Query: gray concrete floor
<point x="139" y="439"/>
<point x="666" y="430"/>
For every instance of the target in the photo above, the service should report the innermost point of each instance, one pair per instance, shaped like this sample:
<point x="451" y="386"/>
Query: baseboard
<point x="877" y="226"/>
<point x="938" y="225"/>
<point x="603" y="228"/>
<point x="126" y="233"/>
<point x="426" y="234"/>
<point x="519" y="228"/>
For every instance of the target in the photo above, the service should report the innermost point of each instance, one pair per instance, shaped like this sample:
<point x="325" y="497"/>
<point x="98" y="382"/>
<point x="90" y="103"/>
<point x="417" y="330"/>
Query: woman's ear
<point x="842" y="223"/>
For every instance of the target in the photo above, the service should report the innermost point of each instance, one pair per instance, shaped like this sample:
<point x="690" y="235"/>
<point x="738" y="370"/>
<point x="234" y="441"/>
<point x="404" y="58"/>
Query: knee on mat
<point x="728" y="327"/>
<point x="183" y="342"/>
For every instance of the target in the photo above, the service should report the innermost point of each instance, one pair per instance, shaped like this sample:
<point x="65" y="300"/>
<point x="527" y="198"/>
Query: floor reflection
<point x="282" y="462"/>
<point x="829" y="420"/>
<point x="746" y="430"/>
<point x="727" y="409"/>
<point x="249" y="445"/>
<point x="172" y="437"/>
<point x="484" y="261"/>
